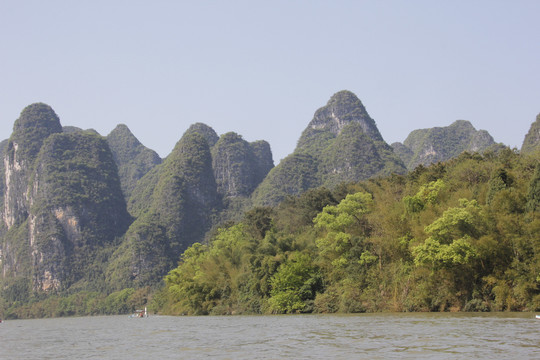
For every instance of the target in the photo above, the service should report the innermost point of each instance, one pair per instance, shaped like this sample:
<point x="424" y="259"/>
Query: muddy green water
<point x="364" y="336"/>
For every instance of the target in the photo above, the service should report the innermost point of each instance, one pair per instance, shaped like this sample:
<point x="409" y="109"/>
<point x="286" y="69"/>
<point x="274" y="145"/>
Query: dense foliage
<point x="461" y="235"/>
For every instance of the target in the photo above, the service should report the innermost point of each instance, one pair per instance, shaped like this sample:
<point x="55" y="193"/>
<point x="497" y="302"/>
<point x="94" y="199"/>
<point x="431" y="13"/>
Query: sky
<point x="262" y="68"/>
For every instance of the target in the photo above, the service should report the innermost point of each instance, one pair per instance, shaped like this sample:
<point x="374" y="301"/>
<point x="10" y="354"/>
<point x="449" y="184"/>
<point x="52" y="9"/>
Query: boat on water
<point x="538" y="316"/>
<point x="140" y="313"/>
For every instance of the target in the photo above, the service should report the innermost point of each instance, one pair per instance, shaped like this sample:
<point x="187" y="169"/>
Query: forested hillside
<point x="66" y="230"/>
<point x="461" y="235"/>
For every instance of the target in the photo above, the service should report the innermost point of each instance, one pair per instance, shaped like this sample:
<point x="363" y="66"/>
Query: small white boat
<point x="538" y="316"/>
<point x="140" y="313"/>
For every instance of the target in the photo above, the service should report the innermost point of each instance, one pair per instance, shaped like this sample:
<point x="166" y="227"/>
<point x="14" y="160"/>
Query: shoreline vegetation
<point x="456" y="236"/>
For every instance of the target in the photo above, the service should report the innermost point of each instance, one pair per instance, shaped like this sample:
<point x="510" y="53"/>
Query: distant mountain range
<point x="85" y="212"/>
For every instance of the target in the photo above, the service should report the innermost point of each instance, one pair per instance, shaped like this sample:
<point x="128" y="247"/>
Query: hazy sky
<point x="262" y="68"/>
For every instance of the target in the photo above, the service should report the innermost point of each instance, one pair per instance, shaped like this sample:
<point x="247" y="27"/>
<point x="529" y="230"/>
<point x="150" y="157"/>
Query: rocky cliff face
<point x="238" y="165"/>
<point x="341" y="143"/>
<point x="77" y="209"/>
<point x="35" y="124"/>
<point x="133" y="159"/>
<point x="531" y="143"/>
<point x="264" y="160"/>
<point x="427" y="146"/>
<point x="342" y="109"/>
<point x="31" y="129"/>
<point x="62" y="202"/>
<point x="3" y="146"/>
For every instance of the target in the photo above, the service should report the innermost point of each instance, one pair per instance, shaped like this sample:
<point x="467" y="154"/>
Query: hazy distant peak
<point x="38" y="115"/>
<point x="122" y="137"/>
<point x="343" y="96"/>
<point x="426" y="146"/>
<point x="465" y="124"/>
<point x="206" y="131"/>
<point x="230" y="136"/>
<point x="133" y="159"/>
<point x="35" y="124"/>
<point x="343" y="108"/>
<point x="121" y="128"/>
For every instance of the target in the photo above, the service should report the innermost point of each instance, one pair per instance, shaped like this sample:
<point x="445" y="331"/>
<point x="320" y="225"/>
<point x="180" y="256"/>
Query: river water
<point x="363" y="336"/>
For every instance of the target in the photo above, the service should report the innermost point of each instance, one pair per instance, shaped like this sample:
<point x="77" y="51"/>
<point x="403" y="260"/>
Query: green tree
<point x="500" y="180"/>
<point x="450" y="240"/>
<point x="342" y="225"/>
<point x="294" y="284"/>
<point x="428" y="194"/>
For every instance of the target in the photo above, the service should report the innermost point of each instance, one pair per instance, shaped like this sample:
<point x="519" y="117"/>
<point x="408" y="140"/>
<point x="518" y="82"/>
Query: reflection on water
<point x="364" y="336"/>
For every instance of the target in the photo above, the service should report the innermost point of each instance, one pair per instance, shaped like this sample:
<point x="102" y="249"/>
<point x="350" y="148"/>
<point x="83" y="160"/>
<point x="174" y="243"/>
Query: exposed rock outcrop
<point x="62" y="202"/>
<point x="238" y="165"/>
<point x="35" y="124"/>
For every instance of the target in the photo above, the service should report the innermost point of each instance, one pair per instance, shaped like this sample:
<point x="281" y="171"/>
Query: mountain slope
<point x="427" y="146"/>
<point x="531" y="143"/>
<point x="133" y="159"/>
<point x="63" y="205"/>
<point x="341" y="143"/>
<point x="180" y="200"/>
<point x="77" y="209"/>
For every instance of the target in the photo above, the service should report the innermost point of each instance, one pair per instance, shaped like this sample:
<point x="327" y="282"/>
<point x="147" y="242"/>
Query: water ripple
<point x="365" y="336"/>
